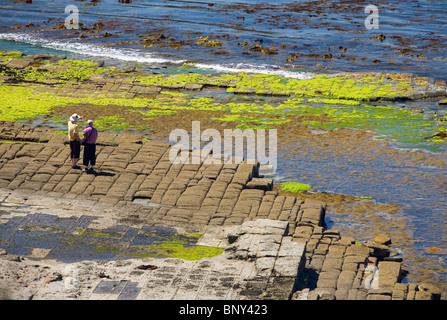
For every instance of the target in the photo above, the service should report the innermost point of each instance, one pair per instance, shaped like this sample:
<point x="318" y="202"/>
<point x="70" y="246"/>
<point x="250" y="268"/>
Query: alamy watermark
<point x="72" y="21"/>
<point x="208" y="147"/>
<point x="71" y="277"/>
<point x="372" y="21"/>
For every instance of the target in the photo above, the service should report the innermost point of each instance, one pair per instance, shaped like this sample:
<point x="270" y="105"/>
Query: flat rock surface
<point x="140" y="227"/>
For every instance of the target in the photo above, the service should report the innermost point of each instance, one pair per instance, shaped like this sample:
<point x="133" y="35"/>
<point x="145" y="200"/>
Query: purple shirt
<point x="91" y="134"/>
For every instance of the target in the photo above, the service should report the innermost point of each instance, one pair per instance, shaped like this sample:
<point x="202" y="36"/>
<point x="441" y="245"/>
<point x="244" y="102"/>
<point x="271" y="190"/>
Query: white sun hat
<point x="74" y="117"/>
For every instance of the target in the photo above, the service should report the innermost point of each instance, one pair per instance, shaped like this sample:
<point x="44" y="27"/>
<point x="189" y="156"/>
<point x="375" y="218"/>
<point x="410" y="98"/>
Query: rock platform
<point x="273" y="246"/>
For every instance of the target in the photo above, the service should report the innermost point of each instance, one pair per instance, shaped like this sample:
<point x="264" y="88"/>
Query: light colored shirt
<point x="72" y="129"/>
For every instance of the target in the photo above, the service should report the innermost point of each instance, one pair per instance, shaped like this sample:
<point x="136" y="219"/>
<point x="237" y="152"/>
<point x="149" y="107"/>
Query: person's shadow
<point x="100" y="173"/>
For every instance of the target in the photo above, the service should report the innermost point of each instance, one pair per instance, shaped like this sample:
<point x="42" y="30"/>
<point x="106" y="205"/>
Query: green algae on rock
<point x="113" y="123"/>
<point x="18" y="102"/>
<point x="247" y="122"/>
<point x="174" y="249"/>
<point x="295" y="187"/>
<point x="65" y="70"/>
<point x="327" y="102"/>
<point x="148" y="243"/>
<point x="181" y="246"/>
<point x="318" y="87"/>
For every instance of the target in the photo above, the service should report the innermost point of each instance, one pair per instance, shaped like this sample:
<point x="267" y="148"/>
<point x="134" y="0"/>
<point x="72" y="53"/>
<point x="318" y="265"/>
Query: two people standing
<point x="90" y="135"/>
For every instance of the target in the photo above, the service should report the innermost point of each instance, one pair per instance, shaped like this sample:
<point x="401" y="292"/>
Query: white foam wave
<point x="250" y="68"/>
<point x="128" y="55"/>
<point x="87" y="49"/>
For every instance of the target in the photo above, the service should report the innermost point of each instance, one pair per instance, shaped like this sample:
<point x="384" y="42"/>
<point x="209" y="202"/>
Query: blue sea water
<point x="415" y="33"/>
<point x="411" y="38"/>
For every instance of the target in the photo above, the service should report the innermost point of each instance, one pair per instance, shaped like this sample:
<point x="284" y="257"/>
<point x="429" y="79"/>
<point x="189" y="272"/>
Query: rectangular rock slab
<point x="291" y="248"/>
<point x="291" y="258"/>
<point x="389" y="272"/>
<point x="265" y="227"/>
<point x="287" y="266"/>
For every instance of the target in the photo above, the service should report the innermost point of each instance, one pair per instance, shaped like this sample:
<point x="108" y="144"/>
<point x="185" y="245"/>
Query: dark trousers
<point x="75" y="149"/>
<point x="89" y="154"/>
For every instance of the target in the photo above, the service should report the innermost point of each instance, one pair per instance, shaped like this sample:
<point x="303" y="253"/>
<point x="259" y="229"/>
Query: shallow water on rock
<point x="397" y="178"/>
<point x="75" y="239"/>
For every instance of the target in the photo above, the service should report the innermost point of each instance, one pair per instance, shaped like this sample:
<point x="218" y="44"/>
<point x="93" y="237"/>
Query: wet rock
<point x="261" y="184"/>
<point x="303" y="232"/>
<point x="382" y="239"/>
<point x="56" y="58"/>
<point x="433" y="291"/>
<point x="400" y="291"/>
<point x="418" y="96"/>
<point x="335" y="234"/>
<point x="147" y="267"/>
<point x="441" y="135"/>
<point x="232" y="237"/>
<point x="99" y="64"/>
<point x="193" y="86"/>
<point x="389" y="273"/>
<point x="14" y="258"/>
<point x="328" y="279"/>
<point x="423" y="295"/>
<point x="357" y="250"/>
<point x="435" y="94"/>
<point x="19" y="63"/>
<point x="379" y="294"/>
<point x="417" y="110"/>
<point x="394" y="256"/>
<point x="42" y="56"/>
<point x="57" y="278"/>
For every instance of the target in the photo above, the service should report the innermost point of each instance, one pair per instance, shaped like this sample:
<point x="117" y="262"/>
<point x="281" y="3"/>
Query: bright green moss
<point x="114" y="123"/>
<point x="295" y="187"/>
<point x="334" y="101"/>
<point x="153" y="113"/>
<point x="175" y="94"/>
<point x="181" y="246"/>
<point x="17" y="103"/>
<point x="183" y="78"/>
<point x="247" y="122"/>
<point x="63" y="71"/>
<point x="77" y="63"/>
<point x="11" y="55"/>
<point x="168" y="244"/>
<point x="12" y="141"/>
<point x="175" y="249"/>
<point x="319" y="86"/>
<point x="437" y="140"/>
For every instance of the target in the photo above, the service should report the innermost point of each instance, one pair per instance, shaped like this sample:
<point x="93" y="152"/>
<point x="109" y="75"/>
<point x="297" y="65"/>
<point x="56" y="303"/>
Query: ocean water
<point x="299" y="33"/>
<point x="300" y="39"/>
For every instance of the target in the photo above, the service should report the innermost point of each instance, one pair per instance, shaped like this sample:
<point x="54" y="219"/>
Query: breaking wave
<point x="133" y="55"/>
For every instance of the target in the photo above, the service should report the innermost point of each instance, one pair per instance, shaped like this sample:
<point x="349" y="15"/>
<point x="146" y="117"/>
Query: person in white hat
<point x="74" y="139"/>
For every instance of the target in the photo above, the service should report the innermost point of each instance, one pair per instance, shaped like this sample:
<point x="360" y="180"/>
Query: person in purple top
<point x="89" y="141"/>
